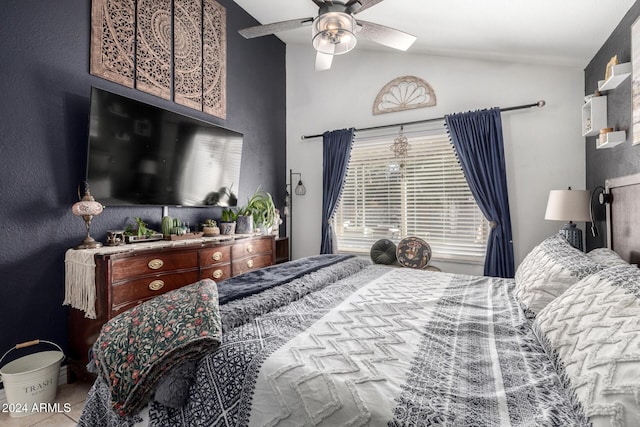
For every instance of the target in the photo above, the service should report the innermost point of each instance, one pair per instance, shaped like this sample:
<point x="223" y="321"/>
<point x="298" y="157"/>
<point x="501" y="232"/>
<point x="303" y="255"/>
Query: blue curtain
<point x="477" y="139"/>
<point x="336" y="149"/>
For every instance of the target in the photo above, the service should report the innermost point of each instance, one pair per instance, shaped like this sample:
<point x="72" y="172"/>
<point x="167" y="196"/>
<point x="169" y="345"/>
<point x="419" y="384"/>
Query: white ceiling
<point x="561" y="32"/>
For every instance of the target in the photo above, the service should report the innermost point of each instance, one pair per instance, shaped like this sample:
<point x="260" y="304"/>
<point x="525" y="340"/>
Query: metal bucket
<point x="31" y="381"/>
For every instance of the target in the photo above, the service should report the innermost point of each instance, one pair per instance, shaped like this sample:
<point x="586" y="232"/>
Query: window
<point x="432" y="200"/>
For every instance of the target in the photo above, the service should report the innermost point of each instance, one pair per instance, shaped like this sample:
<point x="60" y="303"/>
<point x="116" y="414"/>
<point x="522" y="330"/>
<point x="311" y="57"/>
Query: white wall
<point x="543" y="146"/>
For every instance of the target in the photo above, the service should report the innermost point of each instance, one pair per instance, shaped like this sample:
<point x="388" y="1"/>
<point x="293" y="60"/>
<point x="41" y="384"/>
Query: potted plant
<point x="244" y="221"/>
<point x="262" y="209"/>
<point x="210" y="228"/>
<point x="140" y="231"/>
<point x="228" y="221"/>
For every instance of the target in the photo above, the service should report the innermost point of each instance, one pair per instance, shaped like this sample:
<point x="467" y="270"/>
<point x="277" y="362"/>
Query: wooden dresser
<point x="126" y="279"/>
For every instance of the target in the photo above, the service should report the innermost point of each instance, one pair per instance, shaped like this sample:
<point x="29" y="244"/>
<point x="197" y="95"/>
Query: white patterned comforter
<point x="384" y="346"/>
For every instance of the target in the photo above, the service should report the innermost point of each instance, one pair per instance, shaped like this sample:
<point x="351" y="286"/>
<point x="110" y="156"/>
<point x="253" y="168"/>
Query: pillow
<point x="548" y="270"/>
<point x="606" y="257"/>
<point x="383" y="252"/>
<point x="593" y="332"/>
<point x="173" y="388"/>
<point x="413" y="252"/>
<point x="136" y="348"/>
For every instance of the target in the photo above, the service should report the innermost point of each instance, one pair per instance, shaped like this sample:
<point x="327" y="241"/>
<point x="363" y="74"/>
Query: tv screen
<point x="140" y="154"/>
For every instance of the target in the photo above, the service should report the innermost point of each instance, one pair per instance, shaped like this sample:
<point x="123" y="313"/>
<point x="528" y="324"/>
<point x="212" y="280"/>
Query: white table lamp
<point x="572" y="206"/>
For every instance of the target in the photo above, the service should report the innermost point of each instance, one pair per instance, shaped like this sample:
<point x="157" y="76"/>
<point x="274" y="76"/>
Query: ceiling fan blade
<point x="323" y="61"/>
<point x="357" y="6"/>
<point x="276" y="27"/>
<point x="384" y="35"/>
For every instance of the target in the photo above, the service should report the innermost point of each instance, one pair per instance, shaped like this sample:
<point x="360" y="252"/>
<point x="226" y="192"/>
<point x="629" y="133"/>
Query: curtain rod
<point x="517" y="107"/>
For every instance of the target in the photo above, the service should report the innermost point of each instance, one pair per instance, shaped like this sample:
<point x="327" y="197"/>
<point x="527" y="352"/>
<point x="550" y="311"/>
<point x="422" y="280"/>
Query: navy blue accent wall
<point x="623" y="159"/>
<point x="44" y="105"/>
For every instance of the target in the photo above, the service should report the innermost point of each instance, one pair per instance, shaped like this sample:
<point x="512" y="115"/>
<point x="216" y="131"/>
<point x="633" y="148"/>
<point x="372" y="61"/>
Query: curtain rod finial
<point x="541" y="103"/>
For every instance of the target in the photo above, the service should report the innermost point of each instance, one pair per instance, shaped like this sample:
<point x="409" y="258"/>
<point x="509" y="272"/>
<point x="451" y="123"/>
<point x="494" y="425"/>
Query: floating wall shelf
<point x="619" y="73"/>
<point x="612" y="139"/>
<point x="594" y="115"/>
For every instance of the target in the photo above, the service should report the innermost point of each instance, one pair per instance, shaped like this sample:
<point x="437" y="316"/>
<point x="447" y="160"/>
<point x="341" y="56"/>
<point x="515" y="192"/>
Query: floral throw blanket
<point x="137" y="347"/>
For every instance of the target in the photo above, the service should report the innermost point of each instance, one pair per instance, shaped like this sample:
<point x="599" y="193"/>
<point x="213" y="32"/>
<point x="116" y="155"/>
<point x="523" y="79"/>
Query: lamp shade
<point x="568" y="205"/>
<point x="300" y="190"/>
<point x="87" y="207"/>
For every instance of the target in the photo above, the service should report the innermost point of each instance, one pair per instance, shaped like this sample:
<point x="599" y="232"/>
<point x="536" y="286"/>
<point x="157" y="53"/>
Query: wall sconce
<point x="603" y="199"/>
<point x="300" y="190"/>
<point x="569" y="205"/>
<point x="87" y="208"/>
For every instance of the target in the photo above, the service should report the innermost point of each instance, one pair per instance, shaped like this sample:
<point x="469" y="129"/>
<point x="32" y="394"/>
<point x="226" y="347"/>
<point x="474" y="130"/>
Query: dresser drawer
<point x="132" y="291"/>
<point x="214" y="256"/>
<point x="252" y="247"/>
<point x="216" y="273"/>
<point x="127" y="268"/>
<point x="251" y="263"/>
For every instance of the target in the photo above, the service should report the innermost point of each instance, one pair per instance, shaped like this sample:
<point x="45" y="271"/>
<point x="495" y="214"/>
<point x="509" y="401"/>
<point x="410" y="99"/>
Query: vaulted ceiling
<point x="562" y="32"/>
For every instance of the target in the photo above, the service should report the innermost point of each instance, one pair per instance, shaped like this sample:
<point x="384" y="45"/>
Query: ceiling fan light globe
<point x="334" y="33"/>
<point x="334" y="43"/>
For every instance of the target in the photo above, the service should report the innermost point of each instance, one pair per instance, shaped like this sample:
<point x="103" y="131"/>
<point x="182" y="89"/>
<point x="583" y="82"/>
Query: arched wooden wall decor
<point x="171" y="49"/>
<point x="404" y="93"/>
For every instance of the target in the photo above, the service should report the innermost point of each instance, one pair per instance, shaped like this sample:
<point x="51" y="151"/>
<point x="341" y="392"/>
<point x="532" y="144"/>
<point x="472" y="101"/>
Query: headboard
<point x="623" y="212"/>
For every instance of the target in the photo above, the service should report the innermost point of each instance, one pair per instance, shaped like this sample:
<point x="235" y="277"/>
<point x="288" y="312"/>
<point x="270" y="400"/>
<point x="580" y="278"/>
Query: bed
<point x="338" y="341"/>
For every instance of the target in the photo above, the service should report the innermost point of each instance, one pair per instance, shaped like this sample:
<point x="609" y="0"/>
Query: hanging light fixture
<point x="334" y="33"/>
<point x="87" y="208"/>
<point x="300" y="188"/>
<point x="400" y="148"/>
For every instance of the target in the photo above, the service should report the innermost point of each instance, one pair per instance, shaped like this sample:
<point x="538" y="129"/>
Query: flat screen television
<point x="140" y="154"/>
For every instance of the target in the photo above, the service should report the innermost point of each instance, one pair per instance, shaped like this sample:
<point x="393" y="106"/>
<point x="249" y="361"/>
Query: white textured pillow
<point x="606" y="257"/>
<point x="593" y="330"/>
<point x="548" y="270"/>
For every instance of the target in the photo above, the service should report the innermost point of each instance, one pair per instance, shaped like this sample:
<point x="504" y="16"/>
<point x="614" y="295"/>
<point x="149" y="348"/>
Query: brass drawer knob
<point x="217" y="256"/>
<point x="249" y="248"/>
<point x="155" y="264"/>
<point x="217" y="274"/>
<point x="156" y="285"/>
<point x="250" y="263"/>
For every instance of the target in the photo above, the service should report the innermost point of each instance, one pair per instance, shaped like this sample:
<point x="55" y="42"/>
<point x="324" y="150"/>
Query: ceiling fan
<point x="335" y="30"/>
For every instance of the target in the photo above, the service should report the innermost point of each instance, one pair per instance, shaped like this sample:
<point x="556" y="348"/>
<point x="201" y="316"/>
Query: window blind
<point x="428" y="198"/>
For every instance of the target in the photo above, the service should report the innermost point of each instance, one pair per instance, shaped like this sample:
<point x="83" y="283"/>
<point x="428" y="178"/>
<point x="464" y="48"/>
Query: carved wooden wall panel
<point x="180" y="49"/>
<point x="187" y="54"/>
<point x="153" y="47"/>
<point x="113" y="40"/>
<point x="215" y="59"/>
